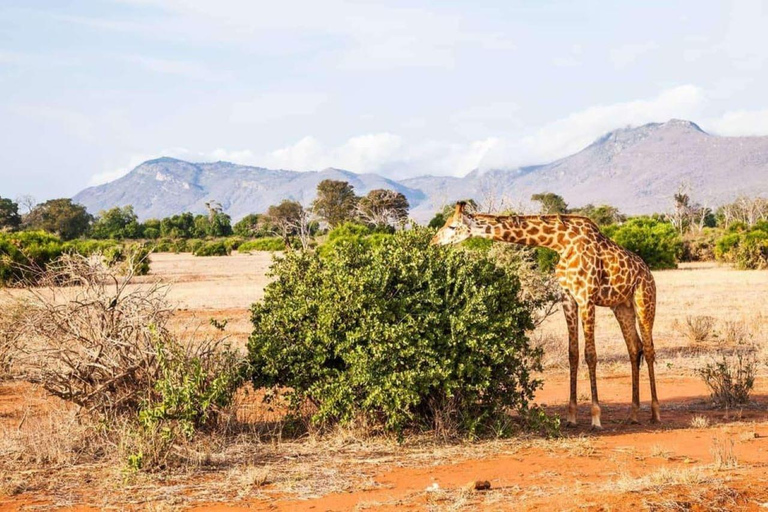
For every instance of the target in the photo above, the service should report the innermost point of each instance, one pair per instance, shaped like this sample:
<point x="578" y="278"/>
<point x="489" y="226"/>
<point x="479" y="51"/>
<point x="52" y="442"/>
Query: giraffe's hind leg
<point x="625" y="314"/>
<point x="571" y="311"/>
<point x="645" y="307"/>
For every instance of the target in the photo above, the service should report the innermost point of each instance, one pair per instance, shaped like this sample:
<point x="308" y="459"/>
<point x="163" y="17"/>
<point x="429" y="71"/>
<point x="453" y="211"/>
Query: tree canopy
<point x="60" y="216"/>
<point x="335" y="203"/>
<point x="9" y="215"/>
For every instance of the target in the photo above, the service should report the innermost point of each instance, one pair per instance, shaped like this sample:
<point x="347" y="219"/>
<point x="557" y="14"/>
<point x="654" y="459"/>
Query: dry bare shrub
<point x="723" y="453"/>
<point x="731" y="379"/>
<point x="554" y="349"/>
<point x="90" y="338"/>
<point x="699" y="422"/>
<point x="735" y="333"/>
<point x="10" y="336"/>
<point x="698" y="330"/>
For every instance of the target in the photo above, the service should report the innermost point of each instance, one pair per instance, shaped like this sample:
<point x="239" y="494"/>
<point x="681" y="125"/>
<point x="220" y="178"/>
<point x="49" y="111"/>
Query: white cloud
<point x="574" y="132"/>
<point x="740" y="123"/>
<point x="393" y="156"/>
<point x="132" y="162"/>
<point x="627" y="54"/>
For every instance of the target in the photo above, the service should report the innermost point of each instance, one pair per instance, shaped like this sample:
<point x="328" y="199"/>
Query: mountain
<point x="167" y="186"/>
<point x="637" y="169"/>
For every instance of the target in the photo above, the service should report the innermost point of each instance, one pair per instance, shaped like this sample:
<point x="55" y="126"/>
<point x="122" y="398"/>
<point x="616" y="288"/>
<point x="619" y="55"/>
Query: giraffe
<point x="593" y="271"/>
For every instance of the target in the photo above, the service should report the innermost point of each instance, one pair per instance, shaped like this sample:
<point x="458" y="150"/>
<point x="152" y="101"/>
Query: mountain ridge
<point x="635" y="168"/>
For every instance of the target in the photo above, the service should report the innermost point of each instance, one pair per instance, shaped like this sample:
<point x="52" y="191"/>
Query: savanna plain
<point x="701" y="457"/>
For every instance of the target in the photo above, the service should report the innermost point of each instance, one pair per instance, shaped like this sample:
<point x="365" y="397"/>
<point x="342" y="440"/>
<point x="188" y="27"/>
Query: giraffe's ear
<point x="460" y="208"/>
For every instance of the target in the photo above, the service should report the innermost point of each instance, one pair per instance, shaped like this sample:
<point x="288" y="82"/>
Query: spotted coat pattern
<point x="593" y="271"/>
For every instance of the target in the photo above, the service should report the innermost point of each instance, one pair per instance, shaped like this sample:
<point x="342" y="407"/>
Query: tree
<point x="603" y="215"/>
<point x="250" y="226"/>
<point x="27" y="202"/>
<point x="178" y="226"/>
<point x="550" y="203"/>
<point x="117" y="223"/>
<point x="219" y="223"/>
<point x="10" y="220"/>
<point x="286" y="218"/>
<point x="60" y="216"/>
<point x="383" y="208"/>
<point x="151" y="228"/>
<point x="335" y="203"/>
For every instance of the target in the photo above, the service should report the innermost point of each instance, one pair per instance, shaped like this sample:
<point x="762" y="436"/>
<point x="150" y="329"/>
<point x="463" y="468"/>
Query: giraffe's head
<point x="456" y="229"/>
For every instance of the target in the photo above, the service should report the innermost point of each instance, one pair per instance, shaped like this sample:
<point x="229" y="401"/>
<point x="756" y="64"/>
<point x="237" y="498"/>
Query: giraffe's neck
<point x="536" y="231"/>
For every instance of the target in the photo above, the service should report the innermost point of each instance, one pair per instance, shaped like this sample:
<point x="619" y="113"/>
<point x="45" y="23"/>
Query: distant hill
<point x="167" y="186"/>
<point x="637" y="169"/>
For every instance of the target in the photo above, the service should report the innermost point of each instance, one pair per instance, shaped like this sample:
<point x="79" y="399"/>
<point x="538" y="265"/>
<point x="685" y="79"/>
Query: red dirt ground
<point x="591" y="471"/>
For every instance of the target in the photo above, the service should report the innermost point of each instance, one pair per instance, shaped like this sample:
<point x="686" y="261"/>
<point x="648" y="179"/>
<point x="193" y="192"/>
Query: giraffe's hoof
<point x="655" y="420"/>
<point x="571" y="424"/>
<point x="633" y="421"/>
<point x="596" y="428"/>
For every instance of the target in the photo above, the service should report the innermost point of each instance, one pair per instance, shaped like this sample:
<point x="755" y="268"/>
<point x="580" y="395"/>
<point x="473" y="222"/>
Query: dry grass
<point x="56" y="439"/>
<point x="723" y="454"/>
<point x="555" y="349"/>
<point x="699" y="422"/>
<point x="698" y="330"/>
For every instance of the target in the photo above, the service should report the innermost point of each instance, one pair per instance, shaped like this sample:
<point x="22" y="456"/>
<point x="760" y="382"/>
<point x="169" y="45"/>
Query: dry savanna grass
<point x="260" y="459"/>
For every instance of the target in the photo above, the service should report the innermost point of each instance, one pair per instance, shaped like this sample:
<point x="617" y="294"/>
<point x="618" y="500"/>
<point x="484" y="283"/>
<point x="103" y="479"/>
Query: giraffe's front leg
<point x="590" y="354"/>
<point x="571" y="310"/>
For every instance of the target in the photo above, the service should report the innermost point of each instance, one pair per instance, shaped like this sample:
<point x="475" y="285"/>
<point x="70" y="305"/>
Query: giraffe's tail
<point x="640" y="357"/>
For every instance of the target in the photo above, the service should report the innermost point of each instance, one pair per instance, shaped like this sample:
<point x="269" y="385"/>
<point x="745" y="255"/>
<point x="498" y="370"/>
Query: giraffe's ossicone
<point x="593" y="271"/>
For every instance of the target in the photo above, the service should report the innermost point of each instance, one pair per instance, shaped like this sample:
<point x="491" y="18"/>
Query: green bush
<point x="701" y="246"/>
<point x="746" y="248"/>
<point x="215" y="248"/>
<point x="233" y="243"/>
<point x="24" y="253"/>
<point x="191" y="388"/>
<point x="656" y="241"/>
<point x="192" y="245"/>
<point x="402" y="333"/>
<point x="263" y="244"/>
<point x="348" y="229"/>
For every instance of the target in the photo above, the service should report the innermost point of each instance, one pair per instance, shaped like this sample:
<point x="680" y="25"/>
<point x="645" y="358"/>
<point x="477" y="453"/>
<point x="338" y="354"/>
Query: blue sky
<point x="89" y="89"/>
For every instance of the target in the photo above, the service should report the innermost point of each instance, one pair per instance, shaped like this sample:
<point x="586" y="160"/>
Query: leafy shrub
<point x="547" y="259"/>
<point x="216" y="248"/>
<point x="402" y="333"/>
<point x="25" y="253"/>
<point x="477" y="244"/>
<point x="24" y="256"/>
<point x="347" y="230"/>
<point x="263" y="244"/>
<point x="233" y="243"/>
<point x="657" y="242"/>
<point x="746" y="248"/>
<point x="700" y="246"/>
<point x="730" y="380"/>
<point x="194" y="384"/>
<point x="192" y="245"/>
